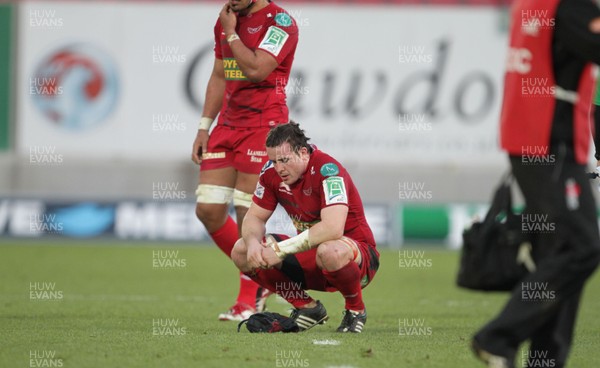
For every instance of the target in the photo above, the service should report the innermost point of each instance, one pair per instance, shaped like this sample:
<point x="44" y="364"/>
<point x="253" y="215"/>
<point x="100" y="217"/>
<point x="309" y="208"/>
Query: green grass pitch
<point x="112" y="305"/>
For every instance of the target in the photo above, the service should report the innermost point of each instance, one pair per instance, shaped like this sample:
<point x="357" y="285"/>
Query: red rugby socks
<point x="225" y="239"/>
<point x="226" y="236"/>
<point x="347" y="281"/>
<point x="278" y="282"/>
<point x="248" y="293"/>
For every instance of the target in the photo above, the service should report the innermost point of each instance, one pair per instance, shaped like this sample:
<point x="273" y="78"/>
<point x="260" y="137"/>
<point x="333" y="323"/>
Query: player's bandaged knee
<point x="296" y="244"/>
<point x="242" y="199"/>
<point x="207" y="193"/>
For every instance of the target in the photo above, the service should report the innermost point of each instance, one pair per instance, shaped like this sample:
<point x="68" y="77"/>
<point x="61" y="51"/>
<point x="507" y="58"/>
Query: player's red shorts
<point x="240" y="148"/>
<point x="302" y="267"/>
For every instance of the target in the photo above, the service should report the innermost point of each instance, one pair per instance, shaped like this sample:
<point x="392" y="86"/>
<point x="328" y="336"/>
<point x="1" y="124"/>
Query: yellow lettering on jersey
<point x="232" y="70"/>
<point x="229" y="63"/>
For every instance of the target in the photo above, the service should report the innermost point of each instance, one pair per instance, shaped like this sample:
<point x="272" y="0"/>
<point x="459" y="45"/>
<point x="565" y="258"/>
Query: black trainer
<point x="307" y="318"/>
<point x="353" y="321"/>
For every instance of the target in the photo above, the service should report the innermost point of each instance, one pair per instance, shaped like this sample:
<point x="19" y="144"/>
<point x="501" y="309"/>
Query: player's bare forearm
<point x="254" y="225"/>
<point x="214" y="98"/>
<point x="256" y="65"/>
<point x="253" y="229"/>
<point x="215" y="90"/>
<point x="212" y="105"/>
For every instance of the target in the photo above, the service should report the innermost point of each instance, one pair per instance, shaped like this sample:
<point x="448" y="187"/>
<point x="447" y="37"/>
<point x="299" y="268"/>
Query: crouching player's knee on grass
<point x="333" y="250"/>
<point x="335" y="254"/>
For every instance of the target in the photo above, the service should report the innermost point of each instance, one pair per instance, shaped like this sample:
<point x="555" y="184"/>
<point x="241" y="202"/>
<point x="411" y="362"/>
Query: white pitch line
<point x="326" y="342"/>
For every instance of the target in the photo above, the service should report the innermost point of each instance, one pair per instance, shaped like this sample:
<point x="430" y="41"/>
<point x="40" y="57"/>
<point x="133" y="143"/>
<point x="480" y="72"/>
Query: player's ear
<point x="304" y="153"/>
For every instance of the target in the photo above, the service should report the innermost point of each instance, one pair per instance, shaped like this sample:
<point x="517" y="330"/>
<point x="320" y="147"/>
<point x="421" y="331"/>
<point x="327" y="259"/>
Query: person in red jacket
<point x="334" y="249"/>
<point x="545" y="129"/>
<point x="255" y="43"/>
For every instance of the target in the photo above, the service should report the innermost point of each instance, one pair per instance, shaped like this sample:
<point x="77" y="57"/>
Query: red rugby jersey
<point x="263" y="104"/>
<point x="325" y="183"/>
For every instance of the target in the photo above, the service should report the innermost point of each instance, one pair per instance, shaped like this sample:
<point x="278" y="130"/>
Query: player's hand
<point x="269" y="256"/>
<point x="228" y="20"/>
<point x="200" y="144"/>
<point x="254" y="254"/>
<point x="268" y="253"/>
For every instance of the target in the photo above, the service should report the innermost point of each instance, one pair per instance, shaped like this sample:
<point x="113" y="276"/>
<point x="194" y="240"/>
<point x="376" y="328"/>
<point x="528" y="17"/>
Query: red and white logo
<point x="75" y="87"/>
<point x="572" y="192"/>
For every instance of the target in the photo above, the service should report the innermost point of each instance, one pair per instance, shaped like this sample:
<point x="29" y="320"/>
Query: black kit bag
<point x="269" y="322"/>
<point x="495" y="253"/>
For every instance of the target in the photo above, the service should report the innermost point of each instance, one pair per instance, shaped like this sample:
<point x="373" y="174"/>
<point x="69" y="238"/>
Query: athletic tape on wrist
<point x="296" y="244"/>
<point x="232" y="37"/>
<point x="205" y="123"/>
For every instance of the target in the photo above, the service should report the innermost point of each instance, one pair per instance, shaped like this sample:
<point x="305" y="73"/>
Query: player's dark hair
<point x="290" y="133"/>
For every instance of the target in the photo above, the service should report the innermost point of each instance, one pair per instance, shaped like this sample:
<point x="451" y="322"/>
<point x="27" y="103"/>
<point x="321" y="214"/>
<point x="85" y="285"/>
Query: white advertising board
<point x="369" y="84"/>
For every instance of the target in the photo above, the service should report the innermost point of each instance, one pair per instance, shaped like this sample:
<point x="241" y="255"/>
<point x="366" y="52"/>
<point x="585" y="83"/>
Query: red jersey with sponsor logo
<point x="325" y="183"/>
<point x="262" y="104"/>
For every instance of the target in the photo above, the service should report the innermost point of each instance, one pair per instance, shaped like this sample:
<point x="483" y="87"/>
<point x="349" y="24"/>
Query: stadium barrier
<point x="175" y="221"/>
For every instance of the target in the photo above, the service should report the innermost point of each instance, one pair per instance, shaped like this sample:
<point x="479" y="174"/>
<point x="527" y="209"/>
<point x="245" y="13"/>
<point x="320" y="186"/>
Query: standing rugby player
<point x="255" y="42"/>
